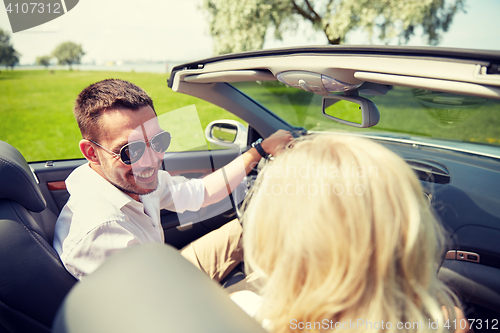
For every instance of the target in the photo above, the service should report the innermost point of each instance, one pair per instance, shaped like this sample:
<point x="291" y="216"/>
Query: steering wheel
<point x="241" y="192"/>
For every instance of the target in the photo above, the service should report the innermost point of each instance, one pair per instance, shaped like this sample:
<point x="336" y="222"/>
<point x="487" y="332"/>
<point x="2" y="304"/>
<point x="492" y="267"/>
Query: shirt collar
<point x="86" y="179"/>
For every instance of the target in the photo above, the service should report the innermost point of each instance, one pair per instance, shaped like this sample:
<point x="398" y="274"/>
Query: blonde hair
<point x="338" y="229"/>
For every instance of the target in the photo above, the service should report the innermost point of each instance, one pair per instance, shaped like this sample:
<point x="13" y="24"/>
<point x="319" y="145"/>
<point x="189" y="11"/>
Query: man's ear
<point x="89" y="151"/>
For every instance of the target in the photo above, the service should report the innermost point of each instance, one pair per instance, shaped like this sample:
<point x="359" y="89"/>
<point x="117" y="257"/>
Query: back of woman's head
<point x="338" y="229"/>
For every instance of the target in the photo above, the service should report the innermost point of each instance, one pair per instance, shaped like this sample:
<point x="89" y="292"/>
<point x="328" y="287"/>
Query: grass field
<point x="36" y="113"/>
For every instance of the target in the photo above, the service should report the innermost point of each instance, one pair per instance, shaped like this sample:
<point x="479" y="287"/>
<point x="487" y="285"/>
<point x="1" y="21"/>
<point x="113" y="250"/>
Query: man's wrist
<point x="261" y="150"/>
<point x="258" y="146"/>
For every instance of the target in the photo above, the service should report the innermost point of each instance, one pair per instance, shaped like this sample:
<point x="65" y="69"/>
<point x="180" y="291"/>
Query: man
<point x="115" y="199"/>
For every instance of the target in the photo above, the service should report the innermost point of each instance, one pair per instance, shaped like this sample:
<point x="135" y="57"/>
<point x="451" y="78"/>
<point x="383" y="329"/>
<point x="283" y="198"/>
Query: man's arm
<point x="216" y="187"/>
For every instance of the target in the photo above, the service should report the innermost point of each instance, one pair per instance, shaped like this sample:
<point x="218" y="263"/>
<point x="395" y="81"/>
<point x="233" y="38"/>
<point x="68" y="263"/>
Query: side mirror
<point x="351" y="110"/>
<point x="227" y="133"/>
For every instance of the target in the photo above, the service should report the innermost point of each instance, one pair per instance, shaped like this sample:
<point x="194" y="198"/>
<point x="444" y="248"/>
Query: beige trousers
<point x="218" y="252"/>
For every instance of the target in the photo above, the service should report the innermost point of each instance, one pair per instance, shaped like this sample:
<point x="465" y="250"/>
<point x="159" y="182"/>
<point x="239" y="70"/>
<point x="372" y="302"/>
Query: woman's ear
<point x="88" y="150"/>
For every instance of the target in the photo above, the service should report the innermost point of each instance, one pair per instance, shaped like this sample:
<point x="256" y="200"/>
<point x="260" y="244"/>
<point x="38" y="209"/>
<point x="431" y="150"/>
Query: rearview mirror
<point x="355" y="111"/>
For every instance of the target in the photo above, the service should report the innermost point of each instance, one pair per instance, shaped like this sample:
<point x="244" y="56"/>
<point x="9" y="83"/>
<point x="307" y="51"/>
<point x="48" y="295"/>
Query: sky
<point x="177" y="31"/>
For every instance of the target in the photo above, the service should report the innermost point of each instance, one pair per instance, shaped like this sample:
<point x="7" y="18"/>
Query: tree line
<point x="66" y="53"/>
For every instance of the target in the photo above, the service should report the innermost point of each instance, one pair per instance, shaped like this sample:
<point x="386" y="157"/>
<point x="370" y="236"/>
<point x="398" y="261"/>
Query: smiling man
<point x="115" y="199"/>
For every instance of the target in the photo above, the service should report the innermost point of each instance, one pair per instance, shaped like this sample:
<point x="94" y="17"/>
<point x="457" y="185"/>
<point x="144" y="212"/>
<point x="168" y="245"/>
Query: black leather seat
<point x="33" y="281"/>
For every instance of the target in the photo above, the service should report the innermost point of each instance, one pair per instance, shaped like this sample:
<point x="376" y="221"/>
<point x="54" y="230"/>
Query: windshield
<point x="407" y="113"/>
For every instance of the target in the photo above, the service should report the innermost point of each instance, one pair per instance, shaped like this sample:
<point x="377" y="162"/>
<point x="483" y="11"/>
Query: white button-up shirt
<point x="99" y="219"/>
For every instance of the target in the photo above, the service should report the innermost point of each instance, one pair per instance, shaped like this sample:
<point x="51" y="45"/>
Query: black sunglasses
<point x="132" y="152"/>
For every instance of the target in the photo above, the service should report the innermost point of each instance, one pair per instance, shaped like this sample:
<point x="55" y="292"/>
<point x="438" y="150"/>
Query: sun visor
<point x="231" y="76"/>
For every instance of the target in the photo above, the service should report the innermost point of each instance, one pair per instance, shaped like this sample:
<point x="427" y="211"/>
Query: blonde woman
<point x="342" y="238"/>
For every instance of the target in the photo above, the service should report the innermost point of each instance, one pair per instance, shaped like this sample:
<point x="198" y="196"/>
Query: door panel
<point x="196" y="224"/>
<point x="50" y="175"/>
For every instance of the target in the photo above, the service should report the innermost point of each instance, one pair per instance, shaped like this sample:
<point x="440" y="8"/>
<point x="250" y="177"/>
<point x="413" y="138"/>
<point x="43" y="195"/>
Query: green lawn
<point x="36" y="111"/>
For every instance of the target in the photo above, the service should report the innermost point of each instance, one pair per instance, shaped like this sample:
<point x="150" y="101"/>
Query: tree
<point x="242" y="25"/>
<point x="9" y="57"/>
<point x="43" y="61"/>
<point x="68" y="53"/>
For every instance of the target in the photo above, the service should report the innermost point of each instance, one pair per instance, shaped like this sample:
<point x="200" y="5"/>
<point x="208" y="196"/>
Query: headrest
<point x="17" y="182"/>
<point x="153" y="287"/>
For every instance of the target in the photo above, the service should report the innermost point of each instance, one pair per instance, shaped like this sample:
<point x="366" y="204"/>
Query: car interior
<point x="151" y="287"/>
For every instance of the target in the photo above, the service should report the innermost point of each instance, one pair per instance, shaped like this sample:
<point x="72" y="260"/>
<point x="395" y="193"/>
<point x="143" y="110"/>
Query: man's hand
<point x="277" y="142"/>
<point x="217" y="183"/>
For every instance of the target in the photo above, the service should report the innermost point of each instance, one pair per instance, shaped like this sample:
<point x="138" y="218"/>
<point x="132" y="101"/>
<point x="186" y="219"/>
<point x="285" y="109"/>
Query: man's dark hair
<point x="104" y="95"/>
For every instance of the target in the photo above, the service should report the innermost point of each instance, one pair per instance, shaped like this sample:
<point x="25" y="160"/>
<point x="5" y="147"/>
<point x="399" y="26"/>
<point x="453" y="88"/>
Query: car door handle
<point x="463" y="255"/>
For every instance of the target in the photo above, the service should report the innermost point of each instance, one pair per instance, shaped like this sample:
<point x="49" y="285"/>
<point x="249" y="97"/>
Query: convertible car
<point x="438" y="108"/>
